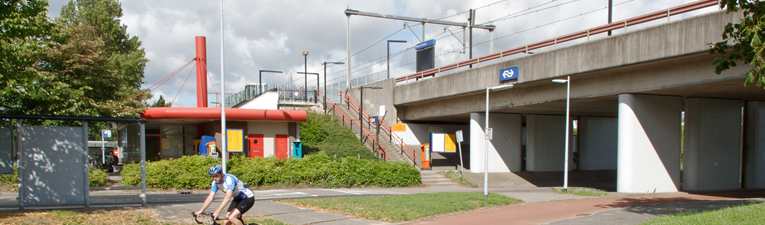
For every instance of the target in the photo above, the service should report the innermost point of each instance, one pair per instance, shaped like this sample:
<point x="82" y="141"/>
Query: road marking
<point x="353" y="192"/>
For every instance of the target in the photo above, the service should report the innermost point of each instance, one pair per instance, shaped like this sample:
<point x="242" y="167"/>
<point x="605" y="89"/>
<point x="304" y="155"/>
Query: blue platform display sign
<point x="106" y="133"/>
<point x="508" y="74"/>
<point x="425" y="44"/>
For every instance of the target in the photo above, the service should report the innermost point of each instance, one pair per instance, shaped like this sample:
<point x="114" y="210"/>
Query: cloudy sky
<point x="271" y="34"/>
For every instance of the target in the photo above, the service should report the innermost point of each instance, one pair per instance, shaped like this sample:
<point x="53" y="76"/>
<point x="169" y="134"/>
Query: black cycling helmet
<point x="217" y="168"/>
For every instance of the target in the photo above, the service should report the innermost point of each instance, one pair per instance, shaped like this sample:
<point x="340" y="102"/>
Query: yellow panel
<point x="399" y="127"/>
<point x="234" y="138"/>
<point x="450" y="143"/>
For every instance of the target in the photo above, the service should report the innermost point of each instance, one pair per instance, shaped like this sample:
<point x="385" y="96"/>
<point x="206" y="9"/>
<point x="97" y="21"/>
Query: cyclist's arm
<point x="207" y="203"/>
<point x="225" y="202"/>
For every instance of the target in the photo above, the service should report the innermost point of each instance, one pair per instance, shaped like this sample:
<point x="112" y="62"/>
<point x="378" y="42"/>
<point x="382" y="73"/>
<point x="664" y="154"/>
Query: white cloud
<point x="270" y="34"/>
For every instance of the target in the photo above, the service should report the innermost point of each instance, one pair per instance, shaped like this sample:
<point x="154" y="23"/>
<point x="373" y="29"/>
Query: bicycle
<point x="207" y="218"/>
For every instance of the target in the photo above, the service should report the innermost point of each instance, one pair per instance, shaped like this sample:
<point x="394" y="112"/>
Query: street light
<point x="487" y="138"/>
<point x="568" y="99"/>
<point x="306" y="83"/>
<point x="305" y="76"/>
<point x="389" y="41"/>
<point x="325" y="82"/>
<point x="361" y="103"/>
<point x="260" y="78"/>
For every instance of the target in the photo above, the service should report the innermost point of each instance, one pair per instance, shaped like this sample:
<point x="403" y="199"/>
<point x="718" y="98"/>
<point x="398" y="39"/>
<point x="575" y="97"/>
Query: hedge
<point x="317" y="170"/>
<point x="97" y="177"/>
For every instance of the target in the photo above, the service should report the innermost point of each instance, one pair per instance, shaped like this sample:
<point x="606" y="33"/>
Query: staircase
<point x="394" y="151"/>
<point x="433" y="178"/>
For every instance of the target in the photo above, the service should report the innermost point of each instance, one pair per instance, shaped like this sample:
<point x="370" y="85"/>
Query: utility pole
<point x="610" y="12"/>
<point x="471" y="23"/>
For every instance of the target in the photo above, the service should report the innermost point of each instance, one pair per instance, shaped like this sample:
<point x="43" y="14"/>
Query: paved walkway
<point x="604" y="210"/>
<point x="541" y="205"/>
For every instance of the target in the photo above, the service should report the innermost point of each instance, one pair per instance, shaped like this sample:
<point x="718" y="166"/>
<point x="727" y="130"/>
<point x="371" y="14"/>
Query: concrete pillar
<point x="648" y="158"/>
<point x="712" y="144"/>
<point x="754" y="145"/>
<point x="504" y="149"/>
<point x="597" y="143"/>
<point x="545" y="139"/>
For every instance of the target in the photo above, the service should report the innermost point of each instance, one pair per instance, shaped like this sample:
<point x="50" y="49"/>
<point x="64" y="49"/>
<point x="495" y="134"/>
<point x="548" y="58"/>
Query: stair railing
<point x="394" y="138"/>
<point x="365" y="136"/>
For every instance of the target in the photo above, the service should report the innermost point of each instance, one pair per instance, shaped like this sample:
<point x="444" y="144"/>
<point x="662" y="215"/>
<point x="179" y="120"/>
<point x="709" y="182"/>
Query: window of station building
<point x="172" y="141"/>
<point x="190" y="134"/>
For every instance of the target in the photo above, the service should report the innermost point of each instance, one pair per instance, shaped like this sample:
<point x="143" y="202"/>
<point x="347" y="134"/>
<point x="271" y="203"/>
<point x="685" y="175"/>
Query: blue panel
<point x="425" y="44"/>
<point x="508" y="74"/>
<point x="203" y="144"/>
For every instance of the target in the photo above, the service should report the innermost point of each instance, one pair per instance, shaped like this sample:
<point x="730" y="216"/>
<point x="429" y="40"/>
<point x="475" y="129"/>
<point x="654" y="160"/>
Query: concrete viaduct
<point x="639" y="98"/>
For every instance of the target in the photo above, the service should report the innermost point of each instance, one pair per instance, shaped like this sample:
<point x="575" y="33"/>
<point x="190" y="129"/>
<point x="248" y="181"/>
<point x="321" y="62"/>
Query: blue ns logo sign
<point x="508" y="74"/>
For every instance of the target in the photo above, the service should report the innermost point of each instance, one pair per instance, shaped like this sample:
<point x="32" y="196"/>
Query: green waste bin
<point x="297" y="149"/>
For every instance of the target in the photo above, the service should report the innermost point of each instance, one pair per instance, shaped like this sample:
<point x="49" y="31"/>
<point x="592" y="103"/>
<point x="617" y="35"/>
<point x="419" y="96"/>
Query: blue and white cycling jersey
<point x="230" y="182"/>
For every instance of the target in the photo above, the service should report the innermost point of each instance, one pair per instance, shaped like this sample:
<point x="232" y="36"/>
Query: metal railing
<point x="623" y="24"/>
<point x="394" y="138"/>
<point x="365" y="136"/>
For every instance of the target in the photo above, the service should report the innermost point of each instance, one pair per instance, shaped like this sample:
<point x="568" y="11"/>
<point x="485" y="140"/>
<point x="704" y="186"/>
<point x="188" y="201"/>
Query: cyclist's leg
<point x="233" y="212"/>
<point x="242" y="207"/>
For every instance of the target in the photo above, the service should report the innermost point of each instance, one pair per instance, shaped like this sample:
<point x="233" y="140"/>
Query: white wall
<point x="417" y="134"/>
<point x="268" y="100"/>
<point x="504" y="148"/>
<point x="269" y="131"/>
<point x="712" y="144"/>
<point x="545" y="141"/>
<point x="754" y="145"/>
<point x="597" y="143"/>
<point x="648" y="158"/>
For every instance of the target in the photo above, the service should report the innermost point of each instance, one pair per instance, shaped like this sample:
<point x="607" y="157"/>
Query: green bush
<point x="325" y="133"/>
<point x="185" y="172"/>
<point x="318" y="170"/>
<point x="12" y="179"/>
<point x="98" y="178"/>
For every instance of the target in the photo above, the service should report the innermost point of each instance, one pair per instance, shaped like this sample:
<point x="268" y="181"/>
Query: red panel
<point x="231" y="113"/>
<point x="282" y="146"/>
<point x="256" y="145"/>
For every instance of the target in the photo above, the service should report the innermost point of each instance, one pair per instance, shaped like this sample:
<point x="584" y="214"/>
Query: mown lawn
<point x="398" y="208"/>
<point x="104" y="216"/>
<point x="747" y="214"/>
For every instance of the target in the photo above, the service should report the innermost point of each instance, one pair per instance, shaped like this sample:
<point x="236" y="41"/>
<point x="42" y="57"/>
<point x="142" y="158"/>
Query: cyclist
<point x="243" y="197"/>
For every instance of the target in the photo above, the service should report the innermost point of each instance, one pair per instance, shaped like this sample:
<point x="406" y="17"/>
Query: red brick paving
<point x="536" y="213"/>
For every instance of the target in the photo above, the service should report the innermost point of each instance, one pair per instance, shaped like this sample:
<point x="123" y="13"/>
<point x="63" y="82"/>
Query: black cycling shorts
<point x="242" y="204"/>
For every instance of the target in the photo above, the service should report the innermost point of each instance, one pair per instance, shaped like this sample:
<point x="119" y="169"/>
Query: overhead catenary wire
<point x="531" y="9"/>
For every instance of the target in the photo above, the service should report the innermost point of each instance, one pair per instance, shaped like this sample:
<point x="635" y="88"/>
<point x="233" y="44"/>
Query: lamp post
<point x="223" y="148"/>
<point x="487" y="138"/>
<point x="389" y="41"/>
<point x="568" y="100"/>
<point x="260" y="78"/>
<point x="305" y="76"/>
<point x="306" y="83"/>
<point x="325" y="82"/>
<point x="361" y="103"/>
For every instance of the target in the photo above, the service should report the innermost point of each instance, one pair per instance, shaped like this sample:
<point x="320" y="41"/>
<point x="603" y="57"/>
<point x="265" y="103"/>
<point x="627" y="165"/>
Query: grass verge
<point x="104" y="216"/>
<point x="457" y="178"/>
<point x="582" y="192"/>
<point x="747" y="214"/>
<point x="398" y="208"/>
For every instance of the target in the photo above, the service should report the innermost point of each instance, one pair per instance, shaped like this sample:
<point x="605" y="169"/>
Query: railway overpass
<point x="631" y="94"/>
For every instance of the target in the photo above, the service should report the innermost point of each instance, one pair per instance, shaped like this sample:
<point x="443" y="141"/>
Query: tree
<point x="83" y="64"/>
<point x="160" y="102"/>
<point x="743" y="41"/>
<point x="112" y="63"/>
<point x="24" y="36"/>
